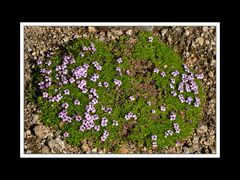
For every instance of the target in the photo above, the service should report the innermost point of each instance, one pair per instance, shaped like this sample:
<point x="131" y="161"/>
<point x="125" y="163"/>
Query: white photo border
<point x="24" y="155"/>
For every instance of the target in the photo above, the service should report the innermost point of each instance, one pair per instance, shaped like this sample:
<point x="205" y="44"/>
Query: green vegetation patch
<point x="128" y="91"/>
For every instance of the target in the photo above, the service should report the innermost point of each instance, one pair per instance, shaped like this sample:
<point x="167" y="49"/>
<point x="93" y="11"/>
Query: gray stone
<point x="199" y="40"/>
<point x="210" y="74"/>
<point x="129" y="32"/>
<point x="35" y="119"/>
<point x="146" y="28"/>
<point x="202" y="129"/>
<point x="41" y="131"/>
<point x="45" y="150"/>
<point x="117" y="32"/>
<point x="94" y="151"/>
<point x="186" y="150"/>
<point x="195" y="139"/>
<point x="164" y="31"/>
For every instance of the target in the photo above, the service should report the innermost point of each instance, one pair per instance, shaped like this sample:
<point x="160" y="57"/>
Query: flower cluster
<point x="94" y="77"/>
<point x="80" y="72"/>
<point x="172" y="116"/>
<point x="189" y="100"/>
<point x="154" y="139"/>
<point x="63" y="115"/>
<point x="90" y="48"/>
<point x="104" y="122"/>
<point x="199" y="76"/>
<point x="168" y="133"/>
<point x="130" y="115"/>
<point x="176" y="127"/>
<point x="181" y="98"/>
<point x="197" y="102"/>
<point x="97" y="65"/>
<point x="117" y="82"/>
<point x="175" y="73"/>
<point x="107" y="109"/>
<point x="105" y="135"/>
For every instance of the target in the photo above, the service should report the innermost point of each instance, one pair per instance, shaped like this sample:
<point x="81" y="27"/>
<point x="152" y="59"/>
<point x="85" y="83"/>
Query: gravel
<point x="197" y="47"/>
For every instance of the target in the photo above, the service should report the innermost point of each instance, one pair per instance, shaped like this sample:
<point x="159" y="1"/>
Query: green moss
<point x="154" y="55"/>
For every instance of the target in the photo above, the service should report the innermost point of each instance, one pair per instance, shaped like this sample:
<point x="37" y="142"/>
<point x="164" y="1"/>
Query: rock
<point x="101" y="152"/>
<point x="129" y="32"/>
<point x="195" y="139"/>
<point x="51" y="143"/>
<point x="202" y="129"/>
<point x="123" y="150"/>
<point x="28" y="132"/>
<point x="92" y="29"/>
<point x="164" y="31"/>
<point x="210" y="74"/>
<point x="146" y="28"/>
<point x="35" y="119"/>
<point x="213" y="62"/>
<point x="205" y="29"/>
<point x="117" y="32"/>
<point x="41" y="131"/>
<point x="199" y="40"/>
<point x="85" y="147"/>
<point x="186" y="150"/>
<point x="94" y="151"/>
<point x="56" y="144"/>
<point x="45" y="150"/>
<point x="186" y="32"/>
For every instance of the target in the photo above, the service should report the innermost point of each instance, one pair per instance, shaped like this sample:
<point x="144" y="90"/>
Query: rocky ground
<point x="197" y="45"/>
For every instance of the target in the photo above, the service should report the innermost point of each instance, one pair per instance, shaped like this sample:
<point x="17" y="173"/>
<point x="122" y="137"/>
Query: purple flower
<point x="168" y="132"/>
<point x="199" y="76"/>
<point x="150" y="39"/>
<point x="175" y="73"/>
<point x="119" y="60"/>
<point x="163" y="108"/>
<point x="181" y="98"/>
<point x="39" y="61"/>
<point x="66" y="92"/>
<point x="156" y="70"/>
<point x="127" y="72"/>
<point x="71" y="80"/>
<point x="173" y="116"/>
<point x="153" y="111"/>
<point x="149" y="103"/>
<point x="65" y="105"/>
<point x="117" y="82"/>
<point x="76" y="102"/>
<point x="118" y="69"/>
<point x="154" y="137"/>
<point x="163" y="74"/>
<point x="105" y="84"/>
<point x="197" y="102"/>
<point x="131" y="98"/>
<point x="78" y="118"/>
<point x="82" y="128"/>
<point x="66" y="134"/>
<point x="176" y="127"/>
<point x="174" y="93"/>
<point x="189" y="100"/>
<point x="45" y="94"/>
<point x="104" y="121"/>
<point x="97" y="128"/>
